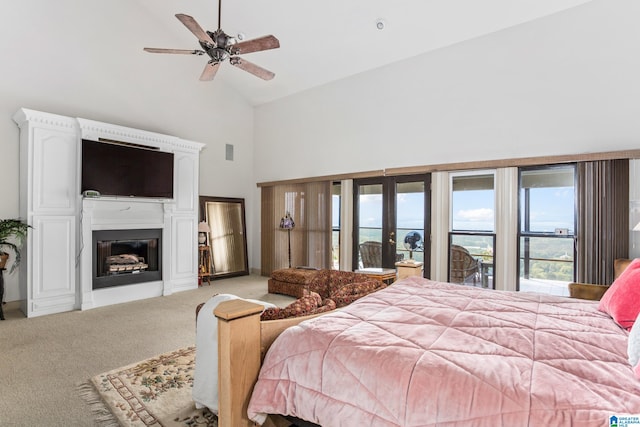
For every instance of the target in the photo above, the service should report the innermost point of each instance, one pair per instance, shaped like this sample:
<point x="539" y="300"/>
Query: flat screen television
<point x="120" y="170"/>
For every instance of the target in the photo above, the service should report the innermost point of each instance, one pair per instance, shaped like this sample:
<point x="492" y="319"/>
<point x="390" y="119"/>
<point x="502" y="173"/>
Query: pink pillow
<point x="622" y="299"/>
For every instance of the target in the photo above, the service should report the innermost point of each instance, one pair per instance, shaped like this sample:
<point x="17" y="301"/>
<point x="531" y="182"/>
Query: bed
<point x="424" y="353"/>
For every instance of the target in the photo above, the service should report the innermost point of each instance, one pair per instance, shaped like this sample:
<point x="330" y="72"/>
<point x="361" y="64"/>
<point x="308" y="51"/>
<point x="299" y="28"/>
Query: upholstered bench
<point x="346" y="285"/>
<point x="291" y="281"/>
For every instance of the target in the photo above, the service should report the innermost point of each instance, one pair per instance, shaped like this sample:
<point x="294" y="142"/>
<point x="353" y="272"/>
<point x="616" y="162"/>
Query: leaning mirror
<point x="225" y="237"/>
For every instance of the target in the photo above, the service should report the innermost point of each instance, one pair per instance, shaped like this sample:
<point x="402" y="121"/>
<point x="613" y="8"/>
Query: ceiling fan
<point x="220" y="47"/>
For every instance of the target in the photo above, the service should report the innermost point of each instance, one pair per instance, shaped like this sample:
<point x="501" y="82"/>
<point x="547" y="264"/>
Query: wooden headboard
<point x="243" y="340"/>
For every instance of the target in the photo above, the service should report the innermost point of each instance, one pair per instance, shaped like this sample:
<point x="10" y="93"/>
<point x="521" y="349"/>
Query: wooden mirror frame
<point x="244" y="270"/>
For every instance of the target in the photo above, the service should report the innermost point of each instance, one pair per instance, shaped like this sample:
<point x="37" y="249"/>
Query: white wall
<point x="52" y="61"/>
<point x="567" y="83"/>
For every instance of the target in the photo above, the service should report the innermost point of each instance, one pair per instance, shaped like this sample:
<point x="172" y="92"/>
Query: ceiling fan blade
<point x="256" y="45"/>
<point x="252" y="68"/>
<point x="209" y="71"/>
<point x="195" y="28"/>
<point x="178" y="51"/>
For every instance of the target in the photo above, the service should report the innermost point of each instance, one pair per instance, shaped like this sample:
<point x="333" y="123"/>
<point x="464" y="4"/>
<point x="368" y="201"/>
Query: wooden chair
<point x="463" y="267"/>
<point x="595" y="292"/>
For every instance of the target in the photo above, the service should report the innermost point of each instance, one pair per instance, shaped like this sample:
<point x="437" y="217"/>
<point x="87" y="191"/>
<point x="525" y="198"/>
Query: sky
<point x="551" y="208"/>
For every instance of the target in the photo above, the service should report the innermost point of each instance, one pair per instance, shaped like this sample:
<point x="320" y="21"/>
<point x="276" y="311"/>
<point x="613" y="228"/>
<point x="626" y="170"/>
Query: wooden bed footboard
<point x="243" y="340"/>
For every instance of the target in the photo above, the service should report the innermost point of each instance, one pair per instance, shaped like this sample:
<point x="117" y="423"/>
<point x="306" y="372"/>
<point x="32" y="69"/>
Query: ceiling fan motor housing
<point x="222" y="48"/>
<point x="217" y="54"/>
<point x="221" y="38"/>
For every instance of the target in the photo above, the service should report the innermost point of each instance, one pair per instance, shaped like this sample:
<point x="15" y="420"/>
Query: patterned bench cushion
<point x="300" y="276"/>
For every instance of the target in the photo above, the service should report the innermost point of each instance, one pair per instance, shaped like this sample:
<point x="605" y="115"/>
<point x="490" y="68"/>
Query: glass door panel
<point x="471" y="259"/>
<point x="547" y="229"/>
<point x="472" y="236"/>
<point x="335" y="225"/>
<point x="369" y="230"/>
<point x="410" y="220"/>
<point x="547" y="266"/>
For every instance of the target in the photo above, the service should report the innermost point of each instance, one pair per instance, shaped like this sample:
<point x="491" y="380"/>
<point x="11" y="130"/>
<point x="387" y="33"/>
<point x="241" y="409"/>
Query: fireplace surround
<point x="56" y="274"/>
<point x="125" y="257"/>
<point x="128" y="219"/>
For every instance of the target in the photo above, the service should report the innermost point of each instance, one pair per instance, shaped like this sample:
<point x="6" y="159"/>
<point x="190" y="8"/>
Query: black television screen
<point x="121" y="170"/>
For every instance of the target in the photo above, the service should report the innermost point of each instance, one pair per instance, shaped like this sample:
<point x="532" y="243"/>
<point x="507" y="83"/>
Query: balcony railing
<point x="547" y="257"/>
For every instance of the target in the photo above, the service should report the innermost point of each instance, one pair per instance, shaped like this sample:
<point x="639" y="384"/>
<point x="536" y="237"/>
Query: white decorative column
<point x="184" y="219"/>
<point x="439" y="226"/>
<point x="506" y="263"/>
<point x="49" y="194"/>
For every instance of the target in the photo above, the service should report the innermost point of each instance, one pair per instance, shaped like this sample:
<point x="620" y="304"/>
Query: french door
<point x="547" y="232"/>
<point x="392" y="217"/>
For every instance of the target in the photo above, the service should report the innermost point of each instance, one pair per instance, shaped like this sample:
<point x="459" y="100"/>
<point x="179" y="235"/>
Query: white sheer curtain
<point x="309" y="204"/>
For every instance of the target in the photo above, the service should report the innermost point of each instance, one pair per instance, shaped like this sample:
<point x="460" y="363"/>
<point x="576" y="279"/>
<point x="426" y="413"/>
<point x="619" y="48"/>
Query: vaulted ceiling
<point x="320" y="41"/>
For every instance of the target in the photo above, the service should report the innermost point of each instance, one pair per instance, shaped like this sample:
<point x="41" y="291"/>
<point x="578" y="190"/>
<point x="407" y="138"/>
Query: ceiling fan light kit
<point x="219" y="46"/>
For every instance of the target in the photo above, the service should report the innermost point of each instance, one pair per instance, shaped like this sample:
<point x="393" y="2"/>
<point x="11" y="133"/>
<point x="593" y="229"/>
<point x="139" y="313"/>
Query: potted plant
<point x="12" y="234"/>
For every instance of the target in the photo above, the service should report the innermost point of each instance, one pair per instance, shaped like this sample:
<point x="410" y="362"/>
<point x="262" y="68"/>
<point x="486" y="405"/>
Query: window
<point x="547" y="217"/>
<point x="309" y="242"/>
<point x="336" y="189"/>
<point x="472" y="229"/>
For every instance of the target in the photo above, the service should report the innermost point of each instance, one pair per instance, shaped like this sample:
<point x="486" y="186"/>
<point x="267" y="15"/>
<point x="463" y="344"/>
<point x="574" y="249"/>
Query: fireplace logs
<point x="126" y="257"/>
<point x="125" y="263"/>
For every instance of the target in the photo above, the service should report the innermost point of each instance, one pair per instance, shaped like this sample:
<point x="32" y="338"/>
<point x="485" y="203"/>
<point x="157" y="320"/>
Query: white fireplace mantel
<point x="121" y="214"/>
<point x="55" y="275"/>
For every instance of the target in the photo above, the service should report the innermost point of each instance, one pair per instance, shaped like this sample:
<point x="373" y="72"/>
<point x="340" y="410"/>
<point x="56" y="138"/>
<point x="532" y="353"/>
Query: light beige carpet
<point x="153" y="392"/>
<point x="43" y="359"/>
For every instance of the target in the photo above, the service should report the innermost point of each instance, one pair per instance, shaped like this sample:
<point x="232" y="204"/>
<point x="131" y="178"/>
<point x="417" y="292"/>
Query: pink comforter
<point x="423" y="353"/>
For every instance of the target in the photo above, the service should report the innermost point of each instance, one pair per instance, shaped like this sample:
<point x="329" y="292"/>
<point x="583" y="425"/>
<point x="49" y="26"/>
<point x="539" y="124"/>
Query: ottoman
<point x="291" y="281"/>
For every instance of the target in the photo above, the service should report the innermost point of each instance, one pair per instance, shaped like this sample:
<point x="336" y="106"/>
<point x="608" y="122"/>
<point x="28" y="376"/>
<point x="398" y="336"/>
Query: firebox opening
<point x="124" y="257"/>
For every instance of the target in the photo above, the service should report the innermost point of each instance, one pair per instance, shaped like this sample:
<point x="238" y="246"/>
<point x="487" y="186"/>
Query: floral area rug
<point x="154" y="392"/>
